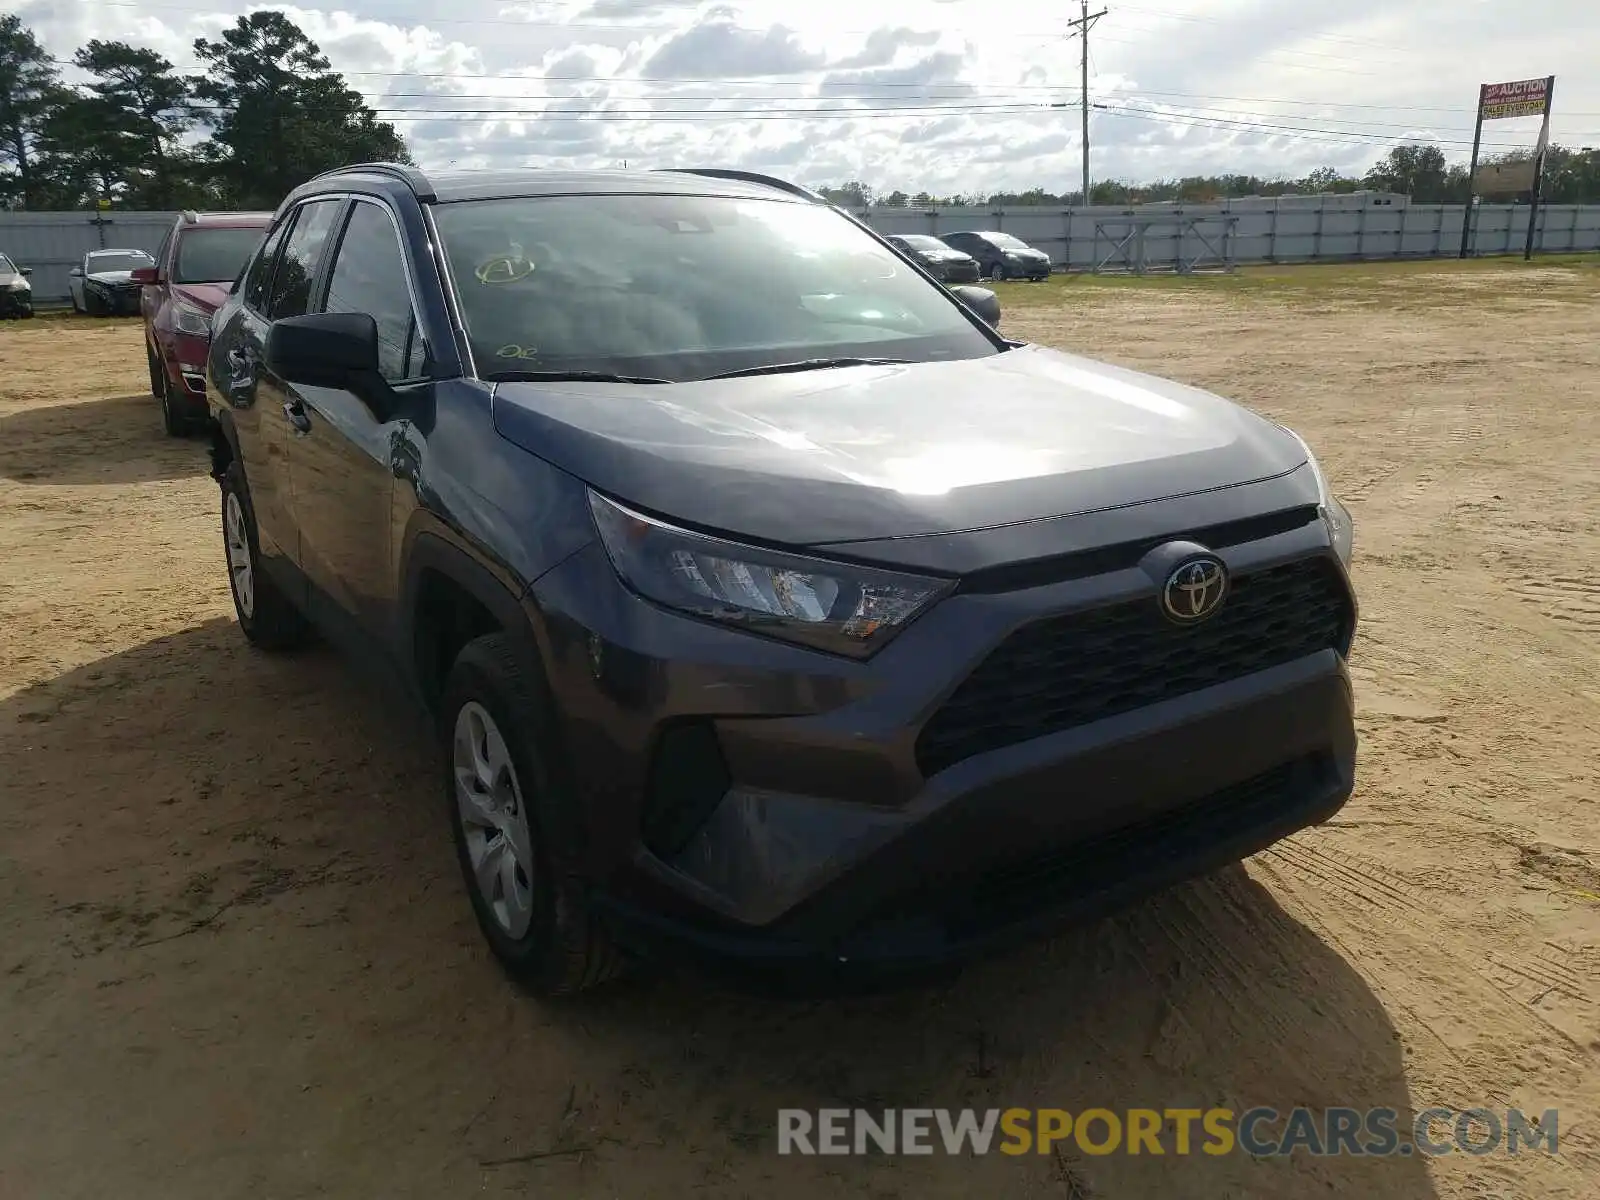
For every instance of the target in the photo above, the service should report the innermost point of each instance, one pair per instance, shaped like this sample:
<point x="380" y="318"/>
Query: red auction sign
<point x="1523" y="98"/>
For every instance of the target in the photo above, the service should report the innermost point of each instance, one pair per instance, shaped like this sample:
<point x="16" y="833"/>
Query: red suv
<point x="195" y="267"/>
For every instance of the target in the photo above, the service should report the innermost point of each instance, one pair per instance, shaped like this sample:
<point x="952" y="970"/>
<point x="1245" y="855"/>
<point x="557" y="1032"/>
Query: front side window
<point x="118" y="260"/>
<point x="213" y="255"/>
<point x="683" y="287"/>
<point x="291" y="283"/>
<point x="369" y="276"/>
<point x="258" y="283"/>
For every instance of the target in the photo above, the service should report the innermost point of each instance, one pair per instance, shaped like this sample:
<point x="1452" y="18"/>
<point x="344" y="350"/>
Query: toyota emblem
<point x="1195" y="589"/>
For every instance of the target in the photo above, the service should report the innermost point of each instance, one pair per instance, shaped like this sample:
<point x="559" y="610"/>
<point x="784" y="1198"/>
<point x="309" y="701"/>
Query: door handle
<point x="297" y="415"/>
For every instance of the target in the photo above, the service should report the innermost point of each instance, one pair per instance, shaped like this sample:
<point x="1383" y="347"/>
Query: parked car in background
<point x="771" y="608"/>
<point x="198" y="261"/>
<point x="102" y="284"/>
<point x="16" y="293"/>
<point x="1001" y="256"/>
<point x="944" y="262"/>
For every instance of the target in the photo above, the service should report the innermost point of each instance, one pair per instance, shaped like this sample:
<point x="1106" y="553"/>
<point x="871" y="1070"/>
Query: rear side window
<point x="291" y="284"/>
<point x="258" y="282"/>
<point x="369" y="276"/>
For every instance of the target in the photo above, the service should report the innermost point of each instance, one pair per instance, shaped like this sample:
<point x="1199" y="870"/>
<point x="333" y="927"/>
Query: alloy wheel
<point x="494" y="819"/>
<point x="241" y="568"/>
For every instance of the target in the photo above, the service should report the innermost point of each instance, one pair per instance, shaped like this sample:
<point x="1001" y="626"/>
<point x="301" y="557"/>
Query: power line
<point x="1342" y="137"/>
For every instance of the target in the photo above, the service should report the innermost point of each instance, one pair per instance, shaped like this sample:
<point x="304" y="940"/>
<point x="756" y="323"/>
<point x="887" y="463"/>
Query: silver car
<point x="102" y="284"/>
<point x="16" y="293"/>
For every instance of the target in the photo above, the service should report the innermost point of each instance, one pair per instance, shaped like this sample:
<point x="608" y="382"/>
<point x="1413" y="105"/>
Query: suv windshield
<point x="685" y="287"/>
<point x="118" y="260"/>
<point x="213" y="255"/>
<point x="5" y="265"/>
<point x="1005" y="241"/>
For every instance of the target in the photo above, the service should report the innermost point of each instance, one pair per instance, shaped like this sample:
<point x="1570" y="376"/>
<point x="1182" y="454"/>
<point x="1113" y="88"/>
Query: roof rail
<point x="410" y="176"/>
<point x="772" y="181"/>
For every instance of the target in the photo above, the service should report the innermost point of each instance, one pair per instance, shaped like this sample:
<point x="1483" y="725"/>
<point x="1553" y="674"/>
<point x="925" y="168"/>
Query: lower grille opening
<point x="1061" y="672"/>
<point x="688" y="779"/>
<point x="1016" y="890"/>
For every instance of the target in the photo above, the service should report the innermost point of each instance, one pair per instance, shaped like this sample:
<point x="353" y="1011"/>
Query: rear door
<point x="343" y="480"/>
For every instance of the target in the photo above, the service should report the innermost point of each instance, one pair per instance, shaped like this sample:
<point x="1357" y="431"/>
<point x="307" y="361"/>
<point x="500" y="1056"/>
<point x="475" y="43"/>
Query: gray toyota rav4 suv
<point x="773" y="609"/>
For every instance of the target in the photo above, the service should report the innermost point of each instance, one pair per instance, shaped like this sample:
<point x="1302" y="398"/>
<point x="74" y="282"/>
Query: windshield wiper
<point x="567" y="377"/>
<point x="807" y="364"/>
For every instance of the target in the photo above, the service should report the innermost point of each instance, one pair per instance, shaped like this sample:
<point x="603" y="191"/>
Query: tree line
<point x="1419" y="171"/>
<point x="266" y="113"/>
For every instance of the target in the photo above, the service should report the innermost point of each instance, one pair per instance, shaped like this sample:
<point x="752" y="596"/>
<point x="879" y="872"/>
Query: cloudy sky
<point x="943" y="95"/>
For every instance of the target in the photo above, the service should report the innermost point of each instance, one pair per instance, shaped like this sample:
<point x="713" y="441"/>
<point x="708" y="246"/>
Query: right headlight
<point x="1341" y="526"/>
<point x="837" y="607"/>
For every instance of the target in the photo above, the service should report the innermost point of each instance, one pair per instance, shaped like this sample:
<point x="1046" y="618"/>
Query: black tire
<point x="158" y="377"/>
<point x="177" y="411"/>
<point x="1001" y="273"/>
<point x="267" y="618"/>
<point x="564" y="950"/>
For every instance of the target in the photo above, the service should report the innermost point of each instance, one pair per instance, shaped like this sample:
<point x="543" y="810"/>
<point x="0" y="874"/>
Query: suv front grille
<point x="1061" y="672"/>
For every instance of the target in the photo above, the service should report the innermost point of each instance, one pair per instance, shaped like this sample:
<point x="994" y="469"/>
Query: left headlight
<point x="191" y="320"/>
<point x="838" y="607"/>
<point x="1341" y="526"/>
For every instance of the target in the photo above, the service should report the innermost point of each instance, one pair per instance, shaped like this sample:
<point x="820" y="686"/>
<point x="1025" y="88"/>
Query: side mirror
<point x="325" y="350"/>
<point x="145" y="275"/>
<point x="981" y="301"/>
<point x="27" y="270"/>
<point x="76" y="272"/>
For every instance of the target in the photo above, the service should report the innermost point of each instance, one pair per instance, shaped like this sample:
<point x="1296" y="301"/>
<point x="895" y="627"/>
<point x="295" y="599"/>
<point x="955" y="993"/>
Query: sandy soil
<point x="235" y="959"/>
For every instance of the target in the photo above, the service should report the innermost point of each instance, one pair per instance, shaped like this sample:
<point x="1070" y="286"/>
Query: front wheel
<point x="512" y="823"/>
<point x="265" y="614"/>
<point x="1001" y="273"/>
<point x="158" y="377"/>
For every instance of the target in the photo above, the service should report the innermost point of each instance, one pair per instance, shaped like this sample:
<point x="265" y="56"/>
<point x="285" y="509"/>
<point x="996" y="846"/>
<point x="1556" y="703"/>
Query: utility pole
<point x="1081" y="29"/>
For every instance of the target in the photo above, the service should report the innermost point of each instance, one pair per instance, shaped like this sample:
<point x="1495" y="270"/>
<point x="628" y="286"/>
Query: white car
<point x="16" y="293"/>
<point x="102" y="283"/>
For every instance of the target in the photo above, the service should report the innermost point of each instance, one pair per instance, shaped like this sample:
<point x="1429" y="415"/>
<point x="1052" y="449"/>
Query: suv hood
<point x="110" y="277"/>
<point x="865" y="453"/>
<point x="207" y="297"/>
<point x="7" y="278"/>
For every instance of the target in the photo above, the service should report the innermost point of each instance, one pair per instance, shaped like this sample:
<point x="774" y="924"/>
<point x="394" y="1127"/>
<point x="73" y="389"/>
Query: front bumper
<point x="183" y="358"/>
<point x="1029" y="268"/>
<point x="121" y="301"/>
<point x="16" y="304"/>
<point x="959" y="272"/>
<point x="760" y="808"/>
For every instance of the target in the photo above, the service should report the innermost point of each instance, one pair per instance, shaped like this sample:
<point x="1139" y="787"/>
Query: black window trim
<point x="406" y="269"/>
<point x="319" y="275"/>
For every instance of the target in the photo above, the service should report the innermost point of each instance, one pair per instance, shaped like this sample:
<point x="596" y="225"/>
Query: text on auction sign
<point x="1524" y="98"/>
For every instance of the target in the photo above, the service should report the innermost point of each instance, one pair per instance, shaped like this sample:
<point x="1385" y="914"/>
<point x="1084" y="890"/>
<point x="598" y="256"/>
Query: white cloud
<point x="947" y="96"/>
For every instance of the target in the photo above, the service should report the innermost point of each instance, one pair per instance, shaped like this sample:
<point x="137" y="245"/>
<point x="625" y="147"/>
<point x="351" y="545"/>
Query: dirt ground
<point x="236" y="960"/>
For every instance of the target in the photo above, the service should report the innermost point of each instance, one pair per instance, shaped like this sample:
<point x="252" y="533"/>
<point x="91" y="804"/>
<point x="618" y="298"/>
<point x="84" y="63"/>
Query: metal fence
<point x="1197" y="237"/>
<point x="1148" y="238"/>
<point x="52" y="243"/>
